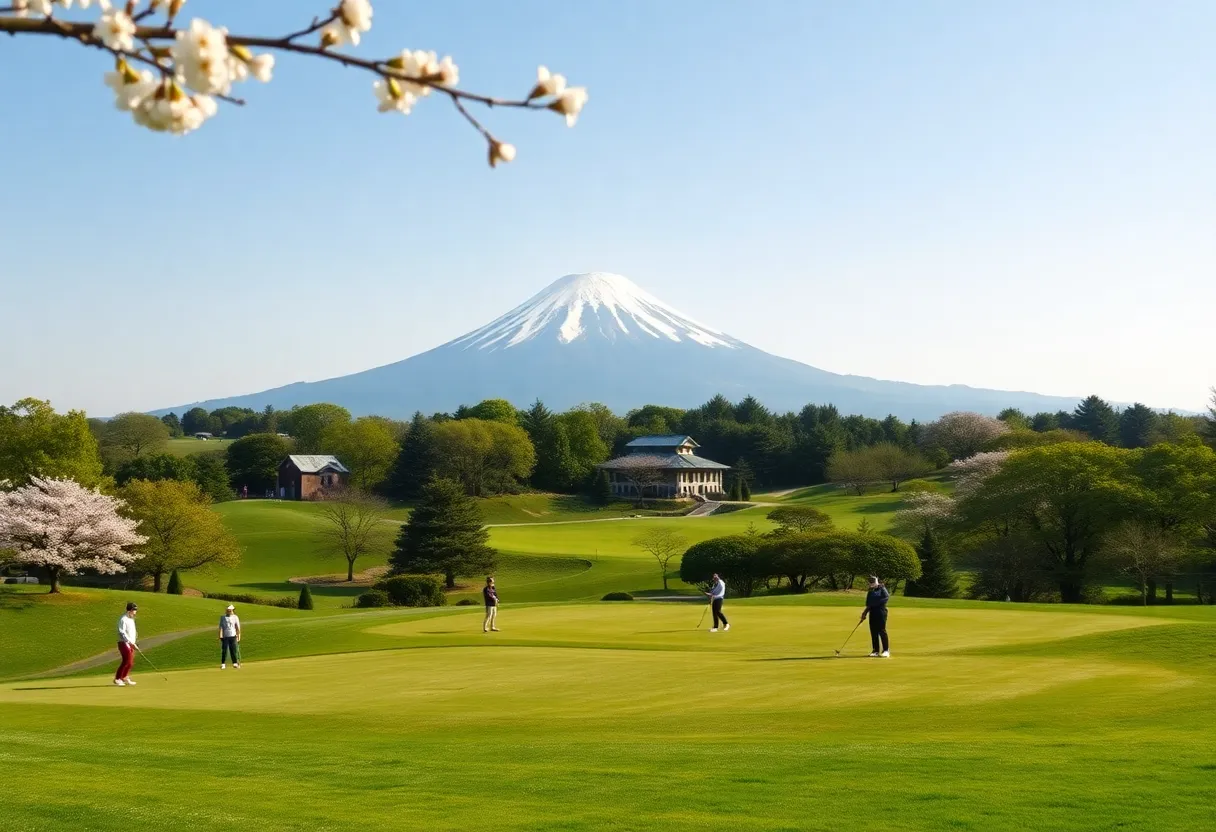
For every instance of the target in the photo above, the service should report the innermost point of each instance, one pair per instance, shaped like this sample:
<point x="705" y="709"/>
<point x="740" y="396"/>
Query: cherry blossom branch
<point x="201" y="63"/>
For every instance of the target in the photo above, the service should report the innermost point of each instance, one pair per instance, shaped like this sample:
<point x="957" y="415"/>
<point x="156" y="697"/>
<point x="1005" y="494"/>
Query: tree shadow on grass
<point x="69" y="687"/>
<point x="805" y="658"/>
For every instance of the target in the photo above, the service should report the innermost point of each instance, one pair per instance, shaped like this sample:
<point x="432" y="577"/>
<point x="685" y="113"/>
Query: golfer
<point x="230" y="637"/>
<point x="126" y="645"/>
<point x="717" y="594"/>
<point x="490" y="594"/>
<point x="876" y="609"/>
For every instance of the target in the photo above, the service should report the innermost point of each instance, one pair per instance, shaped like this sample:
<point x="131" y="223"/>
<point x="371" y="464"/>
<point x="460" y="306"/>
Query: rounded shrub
<point x="466" y="602"/>
<point x="374" y="598"/>
<point x="617" y="596"/>
<point x="414" y="591"/>
<point x="175" y="584"/>
<point x="305" y="602"/>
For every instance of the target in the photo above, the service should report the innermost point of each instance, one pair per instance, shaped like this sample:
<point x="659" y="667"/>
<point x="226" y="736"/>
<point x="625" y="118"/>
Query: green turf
<point x="188" y="445"/>
<point x="39" y="631"/>
<point x="622" y="716"/>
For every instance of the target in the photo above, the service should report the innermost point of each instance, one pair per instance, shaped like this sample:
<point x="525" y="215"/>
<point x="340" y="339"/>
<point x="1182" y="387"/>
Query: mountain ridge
<point x="599" y="337"/>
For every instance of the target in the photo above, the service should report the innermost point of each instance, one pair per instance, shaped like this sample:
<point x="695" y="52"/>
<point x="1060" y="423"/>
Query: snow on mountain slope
<point x="587" y="305"/>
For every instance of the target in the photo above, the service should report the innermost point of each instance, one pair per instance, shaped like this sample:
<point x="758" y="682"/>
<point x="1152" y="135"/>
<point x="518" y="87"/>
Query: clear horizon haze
<point x="1008" y="196"/>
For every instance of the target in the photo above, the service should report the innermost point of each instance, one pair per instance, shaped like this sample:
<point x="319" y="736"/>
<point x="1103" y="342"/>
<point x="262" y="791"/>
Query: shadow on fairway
<point x="68" y="687"/>
<point x="806" y="658"/>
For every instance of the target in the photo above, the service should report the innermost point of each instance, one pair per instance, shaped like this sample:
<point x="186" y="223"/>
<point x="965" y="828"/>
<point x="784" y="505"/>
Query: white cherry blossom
<point x="547" y="83"/>
<point x="392" y="97"/>
<point x="501" y="152"/>
<point x="130" y="87"/>
<point x="171" y="110"/>
<point x="354" y="17"/>
<point x="570" y="103"/>
<point x="116" y="30"/>
<point x="200" y="55"/>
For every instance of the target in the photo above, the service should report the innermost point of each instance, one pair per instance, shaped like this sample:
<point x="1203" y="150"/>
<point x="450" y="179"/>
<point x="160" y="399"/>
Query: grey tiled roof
<point x="666" y="462"/>
<point x="667" y="441"/>
<point x="313" y="463"/>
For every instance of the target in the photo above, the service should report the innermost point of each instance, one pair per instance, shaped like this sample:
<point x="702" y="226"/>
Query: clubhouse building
<point x="665" y="466"/>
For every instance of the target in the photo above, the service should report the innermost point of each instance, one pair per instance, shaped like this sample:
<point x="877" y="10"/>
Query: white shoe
<point x="714" y="630"/>
<point x="886" y="654"/>
<point x="236" y="666"/>
<point x="727" y="627"/>
<point x="495" y="630"/>
<point x="222" y="666"/>
<point x="874" y="655"/>
<point x="119" y="682"/>
<point x="129" y="680"/>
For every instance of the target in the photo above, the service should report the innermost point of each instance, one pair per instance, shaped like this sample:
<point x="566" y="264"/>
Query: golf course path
<point x="108" y="657"/>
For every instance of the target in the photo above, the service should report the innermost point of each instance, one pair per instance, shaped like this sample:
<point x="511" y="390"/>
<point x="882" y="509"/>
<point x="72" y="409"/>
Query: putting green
<point x="622" y="716"/>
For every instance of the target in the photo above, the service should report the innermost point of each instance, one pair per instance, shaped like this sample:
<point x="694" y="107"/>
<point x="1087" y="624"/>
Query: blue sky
<point x="1019" y="196"/>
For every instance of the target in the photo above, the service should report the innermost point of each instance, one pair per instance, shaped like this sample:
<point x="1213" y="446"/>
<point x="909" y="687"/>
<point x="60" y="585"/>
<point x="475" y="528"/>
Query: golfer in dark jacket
<point x="490" y="594"/>
<point x="876" y="609"/>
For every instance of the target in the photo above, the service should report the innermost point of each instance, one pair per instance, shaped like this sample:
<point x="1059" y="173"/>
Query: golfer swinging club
<point x="126" y="645"/>
<point x="230" y="637"/>
<point x="876" y="609"/>
<point x="490" y="594"/>
<point x="717" y="593"/>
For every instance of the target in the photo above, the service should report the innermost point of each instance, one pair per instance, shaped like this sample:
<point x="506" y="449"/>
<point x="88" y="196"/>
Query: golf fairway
<point x="625" y="717"/>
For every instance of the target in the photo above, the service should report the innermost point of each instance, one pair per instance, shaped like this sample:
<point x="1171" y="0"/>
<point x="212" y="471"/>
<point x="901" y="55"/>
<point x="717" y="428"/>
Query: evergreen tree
<point x="745" y="491"/>
<point x="601" y="489"/>
<point x="305" y="602"/>
<point x="175" y="584"/>
<point x="211" y="475"/>
<point x="444" y="535"/>
<point x="551" y="460"/>
<point x="1096" y="418"/>
<point x="416" y="461"/>
<point x="1043" y="422"/>
<point x="937" y="578"/>
<point x="736" y="490"/>
<point x="1136" y="426"/>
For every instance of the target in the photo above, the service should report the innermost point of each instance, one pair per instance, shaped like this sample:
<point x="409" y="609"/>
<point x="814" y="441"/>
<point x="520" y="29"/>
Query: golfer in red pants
<point x="126" y="645"/>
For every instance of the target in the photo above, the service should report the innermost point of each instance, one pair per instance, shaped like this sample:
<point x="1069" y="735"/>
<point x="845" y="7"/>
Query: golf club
<point x="149" y="661"/>
<point x="846" y="641"/>
<point x="702" y="621"/>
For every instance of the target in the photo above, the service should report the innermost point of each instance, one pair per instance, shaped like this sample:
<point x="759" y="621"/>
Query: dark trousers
<point x="228" y="648"/>
<point x="878" y="629"/>
<point x="718" y="616"/>
<point x="127" y="660"/>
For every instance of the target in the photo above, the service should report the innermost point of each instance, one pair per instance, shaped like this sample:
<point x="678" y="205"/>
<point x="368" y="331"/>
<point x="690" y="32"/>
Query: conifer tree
<point x="415" y="462"/>
<point x="937" y="578"/>
<point x="444" y="535"/>
<point x="305" y="602"/>
<point x="175" y="584"/>
<point x="745" y="491"/>
<point x="736" y="490"/>
<point x="1096" y="418"/>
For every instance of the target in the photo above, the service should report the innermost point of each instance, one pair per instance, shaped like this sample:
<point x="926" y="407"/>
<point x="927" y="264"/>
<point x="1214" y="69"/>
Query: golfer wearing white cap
<point x="230" y="637"/>
<point x="876" y="608"/>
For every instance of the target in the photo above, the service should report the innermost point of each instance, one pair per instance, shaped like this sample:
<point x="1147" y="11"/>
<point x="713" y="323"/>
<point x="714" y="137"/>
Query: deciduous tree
<point x="353" y="525"/>
<point x="309" y="423"/>
<point x="799" y="519"/>
<point x="486" y="457"/>
<point x="253" y="461"/>
<point x="367" y="446"/>
<point x="133" y="434"/>
<point x="1145" y="552"/>
<point x="181" y="531"/>
<point x="961" y="434"/>
<point x="663" y="544"/>
<point x="35" y="441"/>
<point x="62" y="527"/>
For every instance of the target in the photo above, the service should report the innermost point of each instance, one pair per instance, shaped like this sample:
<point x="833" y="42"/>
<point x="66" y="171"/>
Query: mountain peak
<point x="594" y="304"/>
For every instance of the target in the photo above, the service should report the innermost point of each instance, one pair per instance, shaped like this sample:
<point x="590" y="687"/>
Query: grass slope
<point x="602" y="716"/>
<point x="188" y="445"/>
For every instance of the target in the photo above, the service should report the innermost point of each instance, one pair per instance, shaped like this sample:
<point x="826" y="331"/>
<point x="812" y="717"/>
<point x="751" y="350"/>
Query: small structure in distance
<point x="664" y="466"/>
<point x="310" y="476"/>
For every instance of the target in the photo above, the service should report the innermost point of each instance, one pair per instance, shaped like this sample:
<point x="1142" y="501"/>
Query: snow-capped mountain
<point x="600" y="337"/>
<point x="589" y="305"/>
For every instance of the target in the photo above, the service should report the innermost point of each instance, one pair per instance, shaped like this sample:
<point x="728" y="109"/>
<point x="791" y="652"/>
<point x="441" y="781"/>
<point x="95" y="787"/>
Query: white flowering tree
<point x="64" y="528"/>
<point x="172" y="77"/>
<point x="922" y="512"/>
<point x="962" y="434"/>
<point x="975" y="470"/>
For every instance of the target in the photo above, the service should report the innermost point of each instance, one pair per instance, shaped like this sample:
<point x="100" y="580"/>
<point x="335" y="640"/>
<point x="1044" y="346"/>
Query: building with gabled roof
<point x="310" y="476"/>
<point x="664" y="466"/>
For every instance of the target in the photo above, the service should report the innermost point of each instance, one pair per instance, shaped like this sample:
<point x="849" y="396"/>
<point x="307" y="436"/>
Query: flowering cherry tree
<point x="975" y="470"/>
<point x="63" y="527"/>
<point x="172" y="77"/>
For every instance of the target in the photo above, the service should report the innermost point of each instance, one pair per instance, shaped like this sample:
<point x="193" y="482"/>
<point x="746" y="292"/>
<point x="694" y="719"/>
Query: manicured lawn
<point x="189" y="445"/>
<point x="39" y="631"/>
<point x="622" y="716"/>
